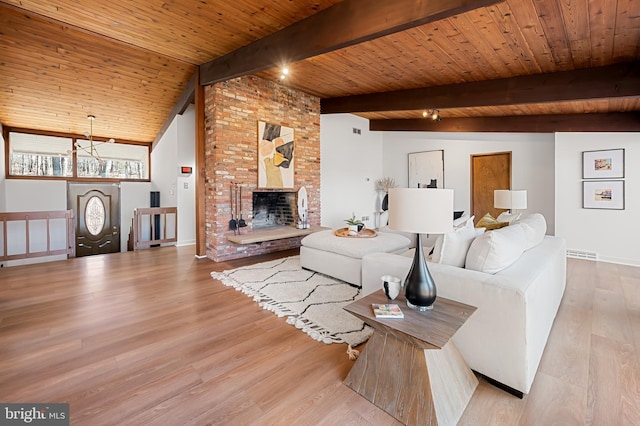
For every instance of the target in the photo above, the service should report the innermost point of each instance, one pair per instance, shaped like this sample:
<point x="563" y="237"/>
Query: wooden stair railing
<point x="143" y="218"/>
<point x="22" y="246"/>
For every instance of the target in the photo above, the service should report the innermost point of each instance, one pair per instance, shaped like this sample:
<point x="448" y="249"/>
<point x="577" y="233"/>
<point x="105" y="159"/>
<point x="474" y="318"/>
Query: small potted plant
<point x="354" y="224"/>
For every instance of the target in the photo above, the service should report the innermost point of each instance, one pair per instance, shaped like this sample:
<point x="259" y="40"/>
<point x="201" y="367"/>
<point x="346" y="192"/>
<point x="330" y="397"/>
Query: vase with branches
<point x="384" y="185"/>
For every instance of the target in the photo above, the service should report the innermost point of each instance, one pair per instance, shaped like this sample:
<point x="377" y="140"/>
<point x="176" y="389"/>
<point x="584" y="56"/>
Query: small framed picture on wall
<point x="604" y="164"/>
<point x="603" y="194"/>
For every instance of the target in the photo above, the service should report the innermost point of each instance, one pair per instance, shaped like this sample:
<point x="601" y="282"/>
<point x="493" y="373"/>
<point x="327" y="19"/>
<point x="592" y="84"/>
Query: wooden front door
<point x="97" y="211"/>
<point x="488" y="173"/>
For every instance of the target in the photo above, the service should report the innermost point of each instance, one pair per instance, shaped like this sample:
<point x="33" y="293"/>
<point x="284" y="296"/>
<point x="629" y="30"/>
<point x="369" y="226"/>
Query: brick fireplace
<point x="232" y="111"/>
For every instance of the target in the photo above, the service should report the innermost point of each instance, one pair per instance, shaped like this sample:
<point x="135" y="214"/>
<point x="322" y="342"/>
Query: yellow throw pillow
<point x="489" y="222"/>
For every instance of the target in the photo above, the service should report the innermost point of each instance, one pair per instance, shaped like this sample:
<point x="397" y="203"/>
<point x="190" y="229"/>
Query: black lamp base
<point x="419" y="308"/>
<point x="419" y="287"/>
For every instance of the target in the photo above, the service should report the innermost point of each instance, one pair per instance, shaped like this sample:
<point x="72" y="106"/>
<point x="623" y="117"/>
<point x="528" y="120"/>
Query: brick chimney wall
<point x="232" y="111"/>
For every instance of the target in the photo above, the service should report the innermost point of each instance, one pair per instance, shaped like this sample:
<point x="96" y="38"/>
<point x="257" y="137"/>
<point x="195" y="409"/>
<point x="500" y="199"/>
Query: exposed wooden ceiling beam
<point x="598" y="122"/>
<point x="610" y="81"/>
<point x="186" y="97"/>
<point x="345" y="24"/>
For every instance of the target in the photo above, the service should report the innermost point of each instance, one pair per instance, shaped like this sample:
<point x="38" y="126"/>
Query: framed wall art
<point x="275" y="156"/>
<point x="426" y="169"/>
<point x="604" y="164"/>
<point x="603" y="194"/>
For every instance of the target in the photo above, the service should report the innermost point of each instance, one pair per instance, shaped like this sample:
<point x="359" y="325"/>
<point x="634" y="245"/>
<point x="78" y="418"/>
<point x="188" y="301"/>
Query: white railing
<point x="36" y="234"/>
<point x="145" y="227"/>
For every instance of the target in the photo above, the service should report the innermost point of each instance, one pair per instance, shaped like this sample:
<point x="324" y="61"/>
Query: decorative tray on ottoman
<point x="364" y="233"/>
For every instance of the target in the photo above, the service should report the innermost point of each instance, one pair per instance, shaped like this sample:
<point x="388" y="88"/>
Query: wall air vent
<point x="581" y="254"/>
<point x="357" y="131"/>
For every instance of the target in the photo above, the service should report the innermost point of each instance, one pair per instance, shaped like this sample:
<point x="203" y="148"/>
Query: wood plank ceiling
<point x="128" y="63"/>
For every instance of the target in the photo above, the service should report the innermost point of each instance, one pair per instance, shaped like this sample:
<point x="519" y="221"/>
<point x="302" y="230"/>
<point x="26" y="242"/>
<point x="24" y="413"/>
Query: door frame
<point x="114" y="209"/>
<point x="472" y="172"/>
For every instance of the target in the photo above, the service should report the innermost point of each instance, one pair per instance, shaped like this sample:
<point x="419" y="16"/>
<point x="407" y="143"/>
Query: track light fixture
<point x="433" y="114"/>
<point x="285" y="72"/>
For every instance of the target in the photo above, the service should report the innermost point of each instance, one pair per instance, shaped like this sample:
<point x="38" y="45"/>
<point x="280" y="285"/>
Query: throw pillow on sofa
<point x="489" y="222"/>
<point x="451" y="248"/>
<point x="493" y="251"/>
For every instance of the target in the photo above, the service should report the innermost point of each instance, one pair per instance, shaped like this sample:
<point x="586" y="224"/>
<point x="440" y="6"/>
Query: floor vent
<point x="580" y="254"/>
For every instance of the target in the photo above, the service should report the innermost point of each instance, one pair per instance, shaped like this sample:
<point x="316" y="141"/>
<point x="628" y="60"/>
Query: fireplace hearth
<point x="273" y="208"/>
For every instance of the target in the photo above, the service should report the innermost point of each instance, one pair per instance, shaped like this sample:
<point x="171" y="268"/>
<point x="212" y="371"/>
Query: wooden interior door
<point x="488" y="173"/>
<point x="97" y="211"/>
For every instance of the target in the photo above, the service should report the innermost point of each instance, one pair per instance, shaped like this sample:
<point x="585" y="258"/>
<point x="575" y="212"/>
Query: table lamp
<point x="421" y="211"/>
<point x="510" y="199"/>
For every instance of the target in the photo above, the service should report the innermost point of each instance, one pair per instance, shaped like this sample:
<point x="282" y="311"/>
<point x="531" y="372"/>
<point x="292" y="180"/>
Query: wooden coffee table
<point x="410" y="367"/>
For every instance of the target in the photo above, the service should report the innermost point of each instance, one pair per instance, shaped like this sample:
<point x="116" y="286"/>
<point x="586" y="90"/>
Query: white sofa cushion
<point x="452" y="247"/>
<point x="495" y="250"/>
<point x="409" y="235"/>
<point x="535" y="227"/>
<point x="461" y="221"/>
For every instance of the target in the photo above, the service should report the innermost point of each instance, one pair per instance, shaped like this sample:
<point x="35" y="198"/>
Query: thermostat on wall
<point x="185" y="170"/>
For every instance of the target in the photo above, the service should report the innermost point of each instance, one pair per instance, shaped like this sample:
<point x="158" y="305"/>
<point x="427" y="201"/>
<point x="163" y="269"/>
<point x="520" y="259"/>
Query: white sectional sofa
<point x="506" y="336"/>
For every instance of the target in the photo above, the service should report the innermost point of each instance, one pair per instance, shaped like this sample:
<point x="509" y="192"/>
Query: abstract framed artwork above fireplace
<point x="275" y="156"/>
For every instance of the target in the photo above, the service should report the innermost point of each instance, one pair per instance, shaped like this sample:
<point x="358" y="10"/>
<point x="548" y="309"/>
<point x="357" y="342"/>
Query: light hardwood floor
<point x="149" y="337"/>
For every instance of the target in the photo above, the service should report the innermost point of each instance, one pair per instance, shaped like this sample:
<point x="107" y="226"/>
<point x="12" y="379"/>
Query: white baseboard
<point x="628" y="262"/>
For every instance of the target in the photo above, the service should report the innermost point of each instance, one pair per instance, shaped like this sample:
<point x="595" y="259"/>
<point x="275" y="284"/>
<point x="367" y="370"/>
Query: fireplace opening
<point x="273" y="208"/>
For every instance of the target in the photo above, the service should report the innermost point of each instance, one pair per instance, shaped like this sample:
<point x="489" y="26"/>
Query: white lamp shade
<point x="519" y="199"/>
<point x="510" y="199"/>
<point x="502" y="199"/>
<point x="421" y="210"/>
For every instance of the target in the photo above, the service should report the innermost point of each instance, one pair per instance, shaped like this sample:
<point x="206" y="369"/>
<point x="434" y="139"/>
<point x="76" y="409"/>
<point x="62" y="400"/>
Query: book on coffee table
<point x="387" y="310"/>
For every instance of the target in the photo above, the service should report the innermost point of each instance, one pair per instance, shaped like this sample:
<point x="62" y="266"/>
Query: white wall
<point x="133" y="195"/>
<point x="350" y="164"/>
<point x="35" y="195"/>
<point x="532" y="163"/>
<point x="177" y="148"/>
<point x="164" y="161"/>
<point x="186" y="191"/>
<point x="612" y="234"/>
<point x="348" y="160"/>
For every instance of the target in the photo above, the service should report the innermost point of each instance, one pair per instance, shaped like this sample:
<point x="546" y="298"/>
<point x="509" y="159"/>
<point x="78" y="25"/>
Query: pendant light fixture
<point x="92" y="150"/>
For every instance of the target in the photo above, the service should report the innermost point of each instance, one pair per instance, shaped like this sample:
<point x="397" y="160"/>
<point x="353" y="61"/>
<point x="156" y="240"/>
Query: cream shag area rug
<point x="311" y="301"/>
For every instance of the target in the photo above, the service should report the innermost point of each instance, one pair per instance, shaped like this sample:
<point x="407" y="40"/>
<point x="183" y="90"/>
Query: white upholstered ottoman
<point x="340" y="257"/>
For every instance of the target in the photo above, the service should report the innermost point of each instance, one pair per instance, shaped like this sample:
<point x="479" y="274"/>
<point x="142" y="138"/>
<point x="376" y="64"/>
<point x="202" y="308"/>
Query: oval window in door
<point x="94" y="215"/>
